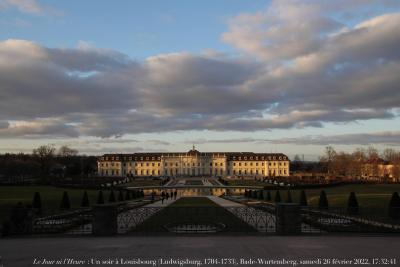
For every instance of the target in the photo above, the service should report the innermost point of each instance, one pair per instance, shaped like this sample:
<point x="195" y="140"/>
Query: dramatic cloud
<point x="379" y="138"/>
<point x="301" y="66"/>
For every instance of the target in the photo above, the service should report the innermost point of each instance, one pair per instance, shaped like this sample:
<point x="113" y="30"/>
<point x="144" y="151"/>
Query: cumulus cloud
<point x="293" y="73"/>
<point x="291" y="28"/>
<point x="377" y="138"/>
<point x="37" y="128"/>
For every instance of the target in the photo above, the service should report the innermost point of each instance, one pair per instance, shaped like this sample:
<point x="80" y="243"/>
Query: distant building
<point x="195" y="163"/>
<point x="378" y="168"/>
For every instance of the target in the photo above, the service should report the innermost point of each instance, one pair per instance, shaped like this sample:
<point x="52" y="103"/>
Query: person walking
<point x="162" y="197"/>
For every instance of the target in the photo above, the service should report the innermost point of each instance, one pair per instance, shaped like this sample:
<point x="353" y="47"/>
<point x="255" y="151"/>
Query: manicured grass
<point x="373" y="200"/>
<point x="369" y="196"/>
<point x="193" y="182"/>
<point x="50" y="196"/>
<point x="192" y="210"/>
<point x="194" y="202"/>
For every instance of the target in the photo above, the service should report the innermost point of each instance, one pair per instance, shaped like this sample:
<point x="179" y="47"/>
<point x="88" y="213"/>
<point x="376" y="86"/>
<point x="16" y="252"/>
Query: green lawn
<point x="194" y="202"/>
<point x="51" y="197"/>
<point x="369" y="196"/>
<point x="193" y="182"/>
<point x="193" y="210"/>
<point x="373" y="200"/>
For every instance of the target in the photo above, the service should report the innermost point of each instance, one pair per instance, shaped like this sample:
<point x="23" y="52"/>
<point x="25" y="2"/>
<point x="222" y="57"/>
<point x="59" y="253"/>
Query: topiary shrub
<point x="111" y="198"/>
<point x="260" y="195"/>
<point x="128" y="195"/>
<point x="120" y="196"/>
<point x="269" y="198"/>
<point x="323" y="201"/>
<point x="352" y="204"/>
<point x="85" y="200"/>
<point x="37" y="203"/>
<point x="100" y="198"/>
<point x="394" y="206"/>
<point x="289" y="197"/>
<point x="303" y="199"/>
<point x="278" y="197"/>
<point x="65" y="203"/>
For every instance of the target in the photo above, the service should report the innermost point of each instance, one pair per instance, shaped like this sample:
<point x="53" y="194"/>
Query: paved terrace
<point x="20" y="252"/>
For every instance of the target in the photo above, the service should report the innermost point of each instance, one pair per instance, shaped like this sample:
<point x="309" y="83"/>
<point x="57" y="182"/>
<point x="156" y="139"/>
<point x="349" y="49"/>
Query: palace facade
<point x="195" y="163"/>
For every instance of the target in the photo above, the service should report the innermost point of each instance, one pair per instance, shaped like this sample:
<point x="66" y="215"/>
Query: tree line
<point x="44" y="163"/>
<point x="353" y="164"/>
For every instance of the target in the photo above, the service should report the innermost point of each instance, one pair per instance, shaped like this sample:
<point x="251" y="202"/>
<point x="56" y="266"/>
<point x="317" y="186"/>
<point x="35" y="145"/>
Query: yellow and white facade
<point x="195" y="163"/>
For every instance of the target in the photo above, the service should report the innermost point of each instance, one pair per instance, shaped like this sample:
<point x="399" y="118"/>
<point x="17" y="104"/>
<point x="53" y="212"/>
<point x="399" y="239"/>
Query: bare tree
<point x="329" y="158"/>
<point x="45" y="155"/>
<point x="66" y="151"/>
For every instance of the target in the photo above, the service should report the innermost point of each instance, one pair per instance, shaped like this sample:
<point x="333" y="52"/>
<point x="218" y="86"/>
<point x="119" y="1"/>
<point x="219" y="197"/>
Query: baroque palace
<point x="195" y="163"/>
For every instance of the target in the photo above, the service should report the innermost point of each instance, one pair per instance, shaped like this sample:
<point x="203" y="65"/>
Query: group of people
<point x="166" y="195"/>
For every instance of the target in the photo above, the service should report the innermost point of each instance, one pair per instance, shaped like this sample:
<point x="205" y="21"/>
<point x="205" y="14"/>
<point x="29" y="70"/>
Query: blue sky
<point x="137" y="28"/>
<point x="126" y="76"/>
